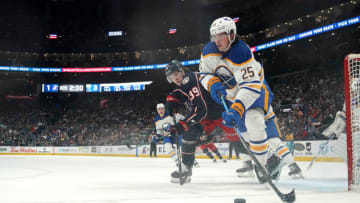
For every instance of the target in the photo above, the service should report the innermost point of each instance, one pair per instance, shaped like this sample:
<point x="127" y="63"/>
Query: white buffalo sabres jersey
<point x="163" y="124"/>
<point x="242" y="76"/>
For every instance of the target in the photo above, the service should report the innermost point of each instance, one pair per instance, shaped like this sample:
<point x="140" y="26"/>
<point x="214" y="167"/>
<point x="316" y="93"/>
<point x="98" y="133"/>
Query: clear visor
<point x="218" y="37"/>
<point x="175" y="76"/>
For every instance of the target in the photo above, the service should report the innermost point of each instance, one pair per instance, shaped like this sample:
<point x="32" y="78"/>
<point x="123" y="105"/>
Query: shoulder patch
<point x="185" y="80"/>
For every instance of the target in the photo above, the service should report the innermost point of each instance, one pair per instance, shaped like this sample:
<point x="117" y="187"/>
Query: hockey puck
<point x="239" y="200"/>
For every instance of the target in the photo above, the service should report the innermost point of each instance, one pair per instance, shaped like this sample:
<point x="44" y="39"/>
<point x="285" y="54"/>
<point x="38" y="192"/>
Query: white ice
<point x="75" y="179"/>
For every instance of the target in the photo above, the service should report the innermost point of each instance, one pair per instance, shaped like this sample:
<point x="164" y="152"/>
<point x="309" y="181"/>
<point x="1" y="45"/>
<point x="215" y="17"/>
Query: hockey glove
<point x="216" y="90"/>
<point x="180" y="127"/>
<point x="233" y="116"/>
<point x="171" y="104"/>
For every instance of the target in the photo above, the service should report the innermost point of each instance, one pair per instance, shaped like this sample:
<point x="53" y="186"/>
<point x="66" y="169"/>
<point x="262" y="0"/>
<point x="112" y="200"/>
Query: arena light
<point x="308" y="33"/>
<point x="172" y="31"/>
<point x="271" y="44"/>
<point x="52" y="36"/>
<point x="115" y="33"/>
<point x="87" y="70"/>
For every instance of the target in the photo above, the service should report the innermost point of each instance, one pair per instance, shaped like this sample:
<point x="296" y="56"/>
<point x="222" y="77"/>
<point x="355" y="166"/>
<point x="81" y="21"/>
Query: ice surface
<point x="75" y="179"/>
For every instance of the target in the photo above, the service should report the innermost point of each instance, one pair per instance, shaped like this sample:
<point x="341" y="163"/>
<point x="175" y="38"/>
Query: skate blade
<point x="297" y="176"/>
<point x="177" y="180"/>
<point x="249" y="174"/>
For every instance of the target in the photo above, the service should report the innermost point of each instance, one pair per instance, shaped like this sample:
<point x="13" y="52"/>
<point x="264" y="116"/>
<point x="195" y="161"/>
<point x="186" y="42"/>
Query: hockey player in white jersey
<point x="163" y="122"/>
<point x="231" y="70"/>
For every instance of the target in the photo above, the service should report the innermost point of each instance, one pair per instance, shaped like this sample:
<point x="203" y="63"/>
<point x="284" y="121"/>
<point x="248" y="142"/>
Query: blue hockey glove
<point x="230" y="118"/>
<point x="216" y="90"/>
<point x="233" y="116"/>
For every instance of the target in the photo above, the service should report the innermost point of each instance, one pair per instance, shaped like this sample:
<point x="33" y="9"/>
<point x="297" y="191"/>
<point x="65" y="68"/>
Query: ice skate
<point x="246" y="170"/>
<point x="274" y="165"/>
<point x="196" y="164"/>
<point x="186" y="173"/>
<point x="295" y="171"/>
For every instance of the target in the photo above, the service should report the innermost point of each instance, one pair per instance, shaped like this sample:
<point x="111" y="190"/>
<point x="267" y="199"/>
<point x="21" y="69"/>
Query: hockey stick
<point x="182" y="179"/>
<point x="289" y="197"/>
<point x="320" y="150"/>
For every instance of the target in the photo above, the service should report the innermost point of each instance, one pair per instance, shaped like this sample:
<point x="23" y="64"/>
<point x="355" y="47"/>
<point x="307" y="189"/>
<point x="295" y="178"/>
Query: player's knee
<point x="255" y="124"/>
<point x="274" y="143"/>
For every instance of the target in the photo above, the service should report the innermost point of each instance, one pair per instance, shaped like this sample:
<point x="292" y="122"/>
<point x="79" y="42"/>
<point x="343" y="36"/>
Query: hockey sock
<point x="279" y="148"/>
<point x="208" y="153"/>
<point x="188" y="154"/>
<point x="171" y="151"/>
<point x="218" y="154"/>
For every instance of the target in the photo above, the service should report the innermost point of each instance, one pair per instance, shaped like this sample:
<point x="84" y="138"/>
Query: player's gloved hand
<point x="216" y="89"/>
<point x="171" y="104"/>
<point x="230" y="118"/>
<point x="233" y="116"/>
<point x="180" y="127"/>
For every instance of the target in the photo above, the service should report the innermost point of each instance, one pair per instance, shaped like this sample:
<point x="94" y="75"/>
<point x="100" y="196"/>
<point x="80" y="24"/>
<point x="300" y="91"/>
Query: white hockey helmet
<point x="160" y="105"/>
<point x="223" y="25"/>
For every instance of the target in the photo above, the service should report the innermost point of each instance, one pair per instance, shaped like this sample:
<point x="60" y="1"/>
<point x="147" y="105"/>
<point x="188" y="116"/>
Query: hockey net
<point x="352" y="104"/>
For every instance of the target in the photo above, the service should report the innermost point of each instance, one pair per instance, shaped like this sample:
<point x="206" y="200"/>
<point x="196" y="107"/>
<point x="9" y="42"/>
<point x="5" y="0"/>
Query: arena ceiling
<point x="82" y="25"/>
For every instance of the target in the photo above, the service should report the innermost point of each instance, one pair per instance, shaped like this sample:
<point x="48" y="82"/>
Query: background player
<point x="207" y="146"/>
<point x="338" y="126"/>
<point x="163" y="121"/>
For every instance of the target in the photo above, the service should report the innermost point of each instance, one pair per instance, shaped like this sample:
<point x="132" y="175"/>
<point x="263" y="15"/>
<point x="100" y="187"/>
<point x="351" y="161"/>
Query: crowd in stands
<point x="92" y="121"/>
<point x="305" y="104"/>
<point x="112" y="53"/>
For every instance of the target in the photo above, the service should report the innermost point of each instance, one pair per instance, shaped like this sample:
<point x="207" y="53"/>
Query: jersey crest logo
<point x="226" y="76"/>
<point x="185" y="80"/>
<point x="166" y="127"/>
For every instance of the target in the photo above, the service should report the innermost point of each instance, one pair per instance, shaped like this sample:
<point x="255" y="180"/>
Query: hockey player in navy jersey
<point x="233" y="72"/>
<point x="204" y="114"/>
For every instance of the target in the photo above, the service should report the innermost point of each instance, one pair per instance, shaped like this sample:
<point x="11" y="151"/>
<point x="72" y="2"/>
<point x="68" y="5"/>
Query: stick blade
<point x="289" y="198"/>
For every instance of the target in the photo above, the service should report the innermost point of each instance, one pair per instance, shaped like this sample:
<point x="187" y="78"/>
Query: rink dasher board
<point x="302" y="150"/>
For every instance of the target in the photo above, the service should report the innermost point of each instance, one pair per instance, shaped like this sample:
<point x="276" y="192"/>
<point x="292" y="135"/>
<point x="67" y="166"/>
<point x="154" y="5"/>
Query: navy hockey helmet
<point x="173" y="66"/>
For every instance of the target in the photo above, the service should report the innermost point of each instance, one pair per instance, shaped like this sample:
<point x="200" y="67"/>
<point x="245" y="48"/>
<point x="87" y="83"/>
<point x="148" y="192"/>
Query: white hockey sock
<point x="255" y="124"/>
<point x="280" y="149"/>
<point x="171" y="151"/>
<point x="244" y="157"/>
